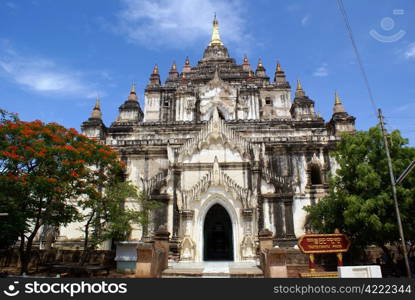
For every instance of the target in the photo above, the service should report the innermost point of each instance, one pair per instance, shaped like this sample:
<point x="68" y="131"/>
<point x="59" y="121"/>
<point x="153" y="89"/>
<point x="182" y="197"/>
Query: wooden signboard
<point x="323" y="243"/>
<point x="311" y="244"/>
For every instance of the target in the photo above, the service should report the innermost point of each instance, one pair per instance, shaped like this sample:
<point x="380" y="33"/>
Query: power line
<point x="395" y="197"/>
<point x="358" y="57"/>
<point x="378" y="113"/>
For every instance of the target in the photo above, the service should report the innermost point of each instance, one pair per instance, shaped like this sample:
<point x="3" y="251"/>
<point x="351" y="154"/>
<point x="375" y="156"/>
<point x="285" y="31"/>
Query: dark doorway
<point x="315" y="175"/>
<point x="217" y="233"/>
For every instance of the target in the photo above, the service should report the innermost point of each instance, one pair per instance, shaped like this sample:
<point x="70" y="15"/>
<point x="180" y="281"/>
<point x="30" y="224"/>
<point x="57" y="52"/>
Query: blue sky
<point x="56" y="56"/>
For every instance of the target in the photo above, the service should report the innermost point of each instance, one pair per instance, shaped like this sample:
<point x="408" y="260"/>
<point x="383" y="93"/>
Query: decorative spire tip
<point x="97" y="103"/>
<point x="215" y="40"/>
<point x="299" y="87"/>
<point x="337" y="98"/>
<point x="278" y="67"/>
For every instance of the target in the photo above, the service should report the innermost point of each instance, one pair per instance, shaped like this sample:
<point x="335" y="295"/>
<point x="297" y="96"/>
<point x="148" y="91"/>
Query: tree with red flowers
<point x="47" y="173"/>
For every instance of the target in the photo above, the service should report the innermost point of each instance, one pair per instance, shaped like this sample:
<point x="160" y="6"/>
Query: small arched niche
<point x="315" y="174"/>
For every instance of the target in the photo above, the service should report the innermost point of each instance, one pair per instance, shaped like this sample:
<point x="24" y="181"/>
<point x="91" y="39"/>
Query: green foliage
<point x="360" y="199"/>
<point x="109" y="218"/>
<point x="7" y="116"/>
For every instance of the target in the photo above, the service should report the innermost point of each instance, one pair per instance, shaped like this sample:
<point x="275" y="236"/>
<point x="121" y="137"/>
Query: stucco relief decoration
<point x="215" y="131"/>
<point x="248" y="248"/>
<point x="217" y="94"/>
<point x="217" y="177"/>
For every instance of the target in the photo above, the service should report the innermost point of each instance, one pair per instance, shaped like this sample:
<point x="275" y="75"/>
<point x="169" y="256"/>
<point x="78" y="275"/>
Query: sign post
<point x="311" y="244"/>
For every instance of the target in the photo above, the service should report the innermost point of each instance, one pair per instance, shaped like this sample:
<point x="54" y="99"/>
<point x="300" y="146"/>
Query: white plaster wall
<point x="151" y="107"/>
<point x="137" y="231"/>
<point x="299" y="215"/>
<point x="190" y="178"/>
<point x="280" y="101"/>
<point x="72" y="231"/>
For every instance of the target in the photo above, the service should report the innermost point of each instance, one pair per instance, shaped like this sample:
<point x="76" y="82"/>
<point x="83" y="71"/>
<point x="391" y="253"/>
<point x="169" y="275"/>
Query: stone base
<point x="285" y="242"/>
<point x="212" y="270"/>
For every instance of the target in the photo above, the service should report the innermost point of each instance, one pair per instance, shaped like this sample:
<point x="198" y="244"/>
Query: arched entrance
<point x="217" y="234"/>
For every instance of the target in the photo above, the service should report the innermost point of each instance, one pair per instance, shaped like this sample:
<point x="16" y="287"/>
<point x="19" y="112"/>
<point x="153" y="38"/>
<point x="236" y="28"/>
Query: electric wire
<point x="358" y="56"/>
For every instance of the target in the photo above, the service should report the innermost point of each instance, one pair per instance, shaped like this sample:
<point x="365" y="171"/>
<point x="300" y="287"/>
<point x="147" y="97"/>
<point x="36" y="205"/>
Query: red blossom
<point x="74" y="174"/>
<point x="73" y="131"/>
<point x="70" y="148"/>
<point x="11" y="155"/>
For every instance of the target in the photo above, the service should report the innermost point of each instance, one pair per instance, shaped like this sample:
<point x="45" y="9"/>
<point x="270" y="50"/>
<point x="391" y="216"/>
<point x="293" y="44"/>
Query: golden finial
<point x="215" y="40"/>
<point x="187" y="61"/>
<point x="299" y="92"/>
<point x="278" y="66"/>
<point x="96" y="112"/>
<point x="97" y="104"/>
<point x="174" y="67"/>
<point x="260" y="62"/>
<point x="299" y="87"/>
<point x="156" y="69"/>
<point x="337" y="98"/>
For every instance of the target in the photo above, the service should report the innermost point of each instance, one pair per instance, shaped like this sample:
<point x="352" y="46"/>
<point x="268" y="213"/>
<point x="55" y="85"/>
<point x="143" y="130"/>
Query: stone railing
<point x="155" y="182"/>
<point x="282" y="184"/>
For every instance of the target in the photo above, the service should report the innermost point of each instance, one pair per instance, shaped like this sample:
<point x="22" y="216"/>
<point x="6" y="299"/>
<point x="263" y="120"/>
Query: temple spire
<point x="156" y="69"/>
<point x="337" y="98"/>
<point x="173" y="73"/>
<point x="260" y="70"/>
<point x="260" y="65"/>
<point x="133" y="95"/>
<point x="338" y="106"/>
<point x="278" y="67"/>
<point x="215" y="40"/>
<point x="245" y="65"/>
<point x="299" y="91"/>
<point x="299" y="87"/>
<point x="133" y="88"/>
<point x="279" y="75"/>
<point x="187" y="67"/>
<point x="96" y="111"/>
<point x="97" y="103"/>
<point x="155" y="76"/>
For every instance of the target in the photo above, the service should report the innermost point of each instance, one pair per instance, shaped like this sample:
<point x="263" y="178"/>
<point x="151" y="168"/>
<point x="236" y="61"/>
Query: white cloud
<point x="321" y="71"/>
<point x="11" y="5"/>
<point x="408" y="107"/>
<point x="410" y="51"/>
<point x="44" y="75"/>
<point x="178" y="23"/>
<point x="305" y="20"/>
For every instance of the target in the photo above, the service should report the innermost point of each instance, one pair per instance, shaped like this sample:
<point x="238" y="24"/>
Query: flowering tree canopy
<point x="47" y="172"/>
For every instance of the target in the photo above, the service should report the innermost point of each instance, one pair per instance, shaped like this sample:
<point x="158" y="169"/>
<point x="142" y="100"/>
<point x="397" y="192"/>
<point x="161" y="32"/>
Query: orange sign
<point x="323" y="243"/>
